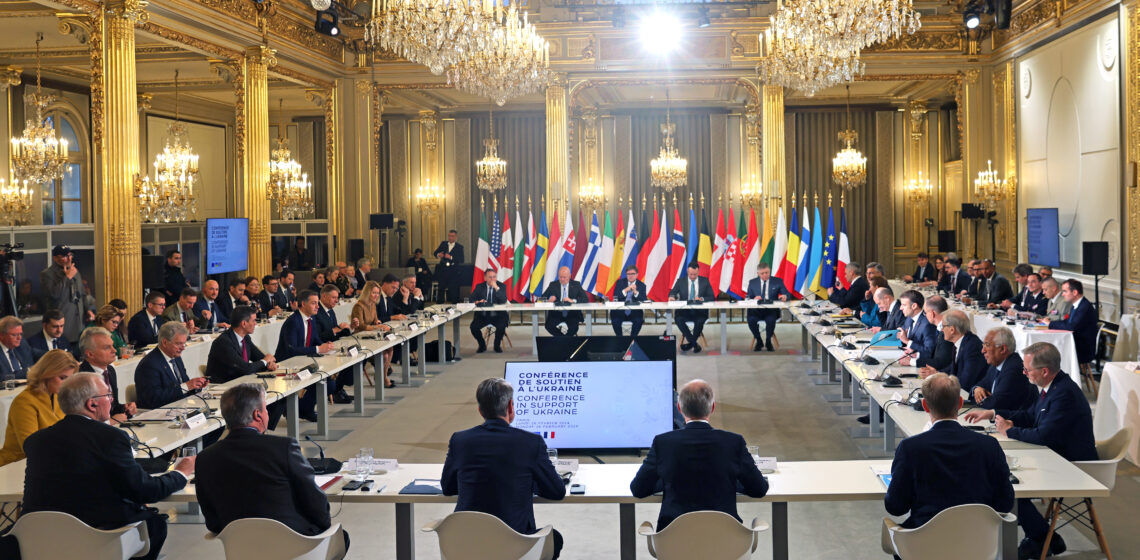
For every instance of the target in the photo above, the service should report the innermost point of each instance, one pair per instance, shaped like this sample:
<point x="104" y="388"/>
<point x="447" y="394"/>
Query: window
<point x="62" y="199"/>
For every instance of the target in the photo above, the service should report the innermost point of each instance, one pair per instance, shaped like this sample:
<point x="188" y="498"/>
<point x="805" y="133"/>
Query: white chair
<point x="202" y="370"/>
<point x="258" y="537"/>
<point x="1111" y="451"/>
<point x="708" y="535"/>
<point x="473" y="535"/>
<point x="941" y="537"/>
<point x="39" y="534"/>
<point x="132" y="393"/>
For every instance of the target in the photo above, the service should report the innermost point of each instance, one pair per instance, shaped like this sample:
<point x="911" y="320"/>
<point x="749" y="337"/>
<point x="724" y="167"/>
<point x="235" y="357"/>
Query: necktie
<point x="107" y="377"/>
<point x="154" y="323"/>
<point x="692" y="289"/>
<point x="213" y="315"/>
<point x="54" y="344"/>
<point x="174" y="371"/>
<point x="12" y="361"/>
<point x="183" y="316"/>
<point x="1042" y="396"/>
<point x="764" y="289"/>
<point x="564" y="292"/>
<point x="308" y="332"/>
<point x="244" y="351"/>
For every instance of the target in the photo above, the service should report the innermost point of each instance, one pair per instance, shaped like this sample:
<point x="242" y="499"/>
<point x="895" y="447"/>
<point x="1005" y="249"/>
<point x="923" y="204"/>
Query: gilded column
<point x="1005" y="118"/>
<point x="772" y="142"/>
<point x="433" y="223"/>
<point x="557" y="147"/>
<point x="252" y="198"/>
<point x="117" y="229"/>
<point x="914" y="163"/>
<point x="1132" y="138"/>
<point x="335" y="173"/>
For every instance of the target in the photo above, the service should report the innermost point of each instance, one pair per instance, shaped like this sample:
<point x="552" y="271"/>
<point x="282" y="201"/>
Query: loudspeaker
<point x="381" y="221"/>
<point x="947" y="240"/>
<point x="153" y="272"/>
<point x="1094" y="258"/>
<point x="1002" y="11"/>
<point x="355" y="250"/>
<point x="972" y="211"/>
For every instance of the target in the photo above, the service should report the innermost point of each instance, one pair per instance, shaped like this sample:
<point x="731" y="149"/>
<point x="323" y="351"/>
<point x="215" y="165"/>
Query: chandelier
<point x="668" y="170"/>
<point x="513" y="61"/>
<point x="798" y="63"/>
<point x="847" y="25"/>
<point x="491" y="172"/>
<point x="435" y="33"/>
<point x="15" y="202"/>
<point x="592" y="194"/>
<point x="169" y="197"/>
<point x="752" y="192"/>
<point x="919" y="190"/>
<point x="849" y="167"/>
<point x="429" y="198"/>
<point x="38" y="156"/>
<point x="288" y="187"/>
<point x="989" y="187"/>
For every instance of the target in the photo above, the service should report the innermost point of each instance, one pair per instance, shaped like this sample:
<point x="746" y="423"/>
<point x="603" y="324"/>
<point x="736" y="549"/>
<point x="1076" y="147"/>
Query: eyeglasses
<point x="107" y="396"/>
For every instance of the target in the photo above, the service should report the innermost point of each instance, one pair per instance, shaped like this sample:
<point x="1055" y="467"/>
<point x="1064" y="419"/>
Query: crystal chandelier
<point x="752" y="192"/>
<point x="435" y="33"/>
<point x="989" y="187"/>
<point x="288" y="187"/>
<point x="668" y="170"/>
<point x="592" y="194"/>
<point x="429" y="198"/>
<point x="15" y="202"/>
<point x="919" y="190"/>
<point x="513" y="61"/>
<point x="169" y="197"/>
<point x="849" y="167"/>
<point x="38" y="156"/>
<point x="796" y="62"/>
<point x="491" y="172"/>
<point x="847" y="25"/>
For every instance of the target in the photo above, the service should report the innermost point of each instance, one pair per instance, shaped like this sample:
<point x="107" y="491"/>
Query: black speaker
<point x="1094" y="258"/>
<point x="153" y="272"/>
<point x="947" y="240"/>
<point x="381" y="221"/>
<point x="972" y="211"/>
<point x="355" y="250"/>
<point x="1002" y="11"/>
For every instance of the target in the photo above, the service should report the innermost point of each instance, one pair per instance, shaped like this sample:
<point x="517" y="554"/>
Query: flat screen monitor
<point x="607" y="348"/>
<point x="1043" y="236"/>
<point x="593" y="405"/>
<point x="227" y="245"/>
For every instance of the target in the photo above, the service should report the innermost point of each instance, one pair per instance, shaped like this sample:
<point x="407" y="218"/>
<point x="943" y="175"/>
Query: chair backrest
<point x="709" y="535"/>
<point x="258" y="537"/>
<point x="473" y="535"/>
<point x="39" y="536"/>
<point x="941" y="537"/>
<point x="1111" y="451"/>
<point x="132" y="393"/>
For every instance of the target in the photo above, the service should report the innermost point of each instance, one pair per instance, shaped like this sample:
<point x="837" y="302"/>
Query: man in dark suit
<point x="764" y="289"/>
<point x="272" y="298"/>
<point x="977" y="281"/>
<point x="1021" y="274"/>
<point x="160" y="377"/>
<point x="234" y="297"/>
<point x="450" y="255"/>
<point x="496" y="469"/>
<point x="298" y="256"/>
<point x="956" y="280"/>
<point x="891" y="315"/>
<point x="300" y="336"/>
<point x="183" y="311"/>
<point x="490" y="292"/>
<point x="917" y="333"/>
<point x="693" y="288"/>
<point x="251" y="474"/>
<point x="1004" y="385"/>
<point x="409" y="298"/>
<point x="996" y="288"/>
<point x="1031" y="299"/>
<point x="207" y="306"/>
<point x="1059" y="419"/>
<point x="420" y="265"/>
<point x="174" y="281"/>
<point x="85" y="468"/>
<point x="50" y="336"/>
<point x="942" y="354"/>
<point x="564" y="323"/>
<point x="629" y="289"/>
<point x="1082" y="320"/>
<point x="98" y="354"/>
<point x="285" y="279"/>
<point x="970" y="468"/>
<point x="967" y="363"/>
<point x="142" y="329"/>
<point x="698" y="468"/>
<point x="233" y="354"/>
<point x="363" y="267"/>
<point x="850" y="298"/>
<point x="327" y="325"/>
<point x="17" y="356"/>
<point x="924" y="272"/>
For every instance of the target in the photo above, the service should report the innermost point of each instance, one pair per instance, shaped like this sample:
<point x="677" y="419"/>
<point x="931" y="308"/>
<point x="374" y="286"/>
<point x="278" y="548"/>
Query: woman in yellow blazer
<point x="364" y="318"/>
<point x="36" y="407"/>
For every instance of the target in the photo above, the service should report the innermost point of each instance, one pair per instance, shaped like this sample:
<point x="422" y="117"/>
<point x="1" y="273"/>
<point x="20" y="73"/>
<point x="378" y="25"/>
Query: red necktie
<point x="1042" y="396"/>
<point x="244" y="351"/>
<point x="308" y="332"/>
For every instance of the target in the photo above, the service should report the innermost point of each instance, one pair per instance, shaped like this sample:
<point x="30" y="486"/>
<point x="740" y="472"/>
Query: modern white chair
<point x="1111" y="451"/>
<point x="39" y="536"/>
<point x="473" y="535"/>
<point x="708" y="535"/>
<point x="941" y="537"/>
<point x="258" y="537"/>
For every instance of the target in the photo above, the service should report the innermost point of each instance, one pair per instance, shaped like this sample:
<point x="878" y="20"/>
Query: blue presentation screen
<point x="1042" y="236"/>
<point x="593" y="405"/>
<point x="227" y="245"/>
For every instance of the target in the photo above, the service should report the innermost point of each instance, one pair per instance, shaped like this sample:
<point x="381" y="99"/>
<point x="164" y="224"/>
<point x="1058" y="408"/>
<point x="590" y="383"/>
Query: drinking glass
<point x="9" y="382"/>
<point x="754" y="451"/>
<point x="363" y="463"/>
<point x="553" y="455"/>
<point x="127" y="351"/>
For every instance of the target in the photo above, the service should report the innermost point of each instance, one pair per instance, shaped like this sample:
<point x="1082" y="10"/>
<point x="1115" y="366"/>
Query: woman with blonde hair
<point x="108" y="317"/>
<point x="364" y="319"/>
<point x="36" y="407"/>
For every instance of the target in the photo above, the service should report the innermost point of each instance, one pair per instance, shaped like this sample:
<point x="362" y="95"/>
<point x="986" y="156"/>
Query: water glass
<point x="754" y="451"/>
<point x="1013" y="461"/>
<point x="553" y="455"/>
<point x="364" y="463"/>
<point x="9" y="382"/>
<point x="127" y="351"/>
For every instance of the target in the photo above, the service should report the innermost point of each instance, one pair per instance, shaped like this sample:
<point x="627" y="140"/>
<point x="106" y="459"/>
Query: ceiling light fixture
<point x="660" y="33"/>
<point x="972" y="14"/>
<point x="327" y="23"/>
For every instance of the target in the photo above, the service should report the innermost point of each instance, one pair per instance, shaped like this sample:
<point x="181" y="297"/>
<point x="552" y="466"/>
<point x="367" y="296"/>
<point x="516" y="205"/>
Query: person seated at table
<point x="272" y="299"/>
<point x="50" y="336"/>
<point x="1021" y="274"/>
<point x="318" y="281"/>
<point x="110" y="318"/>
<point x="564" y="323"/>
<point x="924" y="272"/>
<point x="698" y="468"/>
<point x="233" y="354"/>
<point x="364" y="318"/>
<point x="420" y="266"/>
<point x="497" y="469"/>
<point x="942" y="351"/>
<point x="849" y="298"/>
<point x="874" y="270"/>
<point x="253" y="474"/>
<point x="122" y="307"/>
<point x="966" y="364"/>
<point x="955" y="280"/>
<point x="870" y="314"/>
<point x="161" y="378"/>
<point x="1059" y="419"/>
<point x="253" y="293"/>
<point x="1032" y="299"/>
<point x="1045" y="271"/>
<point x="330" y="329"/>
<point x="408" y="298"/>
<point x="1081" y="320"/>
<point x="207" y="306"/>
<point x="969" y="467"/>
<point x="974" y="288"/>
<point x="1004" y="385"/>
<point x="386" y="309"/>
<point x="629" y="289"/>
<point x="765" y="289"/>
<point x="917" y="333"/>
<point x="98" y="352"/>
<point x="37" y="406"/>
<point x="995" y="289"/>
<point x="234" y="297"/>
<point x="692" y="288"/>
<point x="1056" y="306"/>
<point x="300" y="336"/>
<point x="183" y="311"/>
<point x="142" y="329"/>
<point x="939" y="271"/>
<point x="83" y="467"/>
<point x="490" y="292"/>
<point x="891" y="316"/>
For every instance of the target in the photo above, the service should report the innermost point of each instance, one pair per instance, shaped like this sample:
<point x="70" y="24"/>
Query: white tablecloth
<point x="1118" y="405"/>
<point x="1063" y="340"/>
<point x="1127" y="340"/>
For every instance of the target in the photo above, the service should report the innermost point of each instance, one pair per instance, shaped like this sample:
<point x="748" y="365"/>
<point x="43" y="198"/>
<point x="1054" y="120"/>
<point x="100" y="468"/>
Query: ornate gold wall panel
<point x="252" y="192"/>
<point x="1005" y="136"/>
<point x="1132" y="135"/>
<point x="557" y="147"/>
<point x="333" y="161"/>
<point x="772" y="144"/>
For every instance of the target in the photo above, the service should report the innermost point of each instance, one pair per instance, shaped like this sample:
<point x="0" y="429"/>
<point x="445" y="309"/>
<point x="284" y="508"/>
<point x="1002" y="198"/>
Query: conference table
<point x="1118" y="404"/>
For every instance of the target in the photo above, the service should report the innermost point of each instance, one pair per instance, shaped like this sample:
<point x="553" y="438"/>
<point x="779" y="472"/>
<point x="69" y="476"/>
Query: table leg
<point x="422" y="343"/>
<point x="847" y="380"/>
<point x="1008" y="540"/>
<point x="814" y="349"/>
<point x="873" y="411"/>
<point x="627" y="522"/>
<point x="723" y="331"/>
<point x="668" y="322"/>
<point x="322" y="409"/>
<point x="534" y="333"/>
<point x="406" y="362"/>
<point x="357" y="385"/>
<point x="455" y="335"/>
<point x="292" y="420"/>
<point x="804" y="337"/>
<point x="779" y="531"/>
<point x="405" y="532"/>
<point x="856" y="392"/>
<point x="889" y="433"/>
<point x="589" y="322"/>
<point x="439" y="333"/>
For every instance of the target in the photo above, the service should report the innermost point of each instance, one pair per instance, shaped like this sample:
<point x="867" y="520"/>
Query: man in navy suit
<point x="301" y="336"/>
<point x="327" y="325"/>
<point x="969" y="467"/>
<point x="207" y="306"/>
<point x="496" y="469"/>
<point x="955" y="280"/>
<point x="925" y="271"/>
<point x="1031" y="299"/>
<point x="564" y="323"/>
<point x="764" y="289"/>
<point x="943" y="354"/>
<point x="1021" y="274"/>
<point x="694" y="288"/>
<point x="450" y="255"/>
<point x="629" y="289"/>
<point x="698" y="467"/>
<point x="851" y="297"/>
<point x="1059" y="419"/>
<point x="995" y="289"/>
<point x="490" y="292"/>
<point x="1004" y="385"/>
<point x="967" y="363"/>
<point x="143" y="327"/>
<point x="1082" y="320"/>
<point x="98" y="353"/>
<point x="233" y="354"/>
<point x="17" y="355"/>
<point x="890" y="311"/>
<point x="161" y="378"/>
<point x="50" y="336"/>
<point x="272" y="298"/>
<point x="917" y="332"/>
<point x="234" y="297"/>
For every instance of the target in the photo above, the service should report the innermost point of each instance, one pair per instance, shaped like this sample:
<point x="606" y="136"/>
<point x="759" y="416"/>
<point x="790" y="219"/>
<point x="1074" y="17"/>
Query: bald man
<point x="564" y="323"/>
<point x="207" y="308"/>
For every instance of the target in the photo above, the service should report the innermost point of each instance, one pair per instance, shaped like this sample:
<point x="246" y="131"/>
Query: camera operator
<point x="63" y="290"/>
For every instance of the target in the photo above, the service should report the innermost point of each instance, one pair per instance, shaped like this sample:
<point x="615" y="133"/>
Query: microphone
<point x="205" y="404"/>
<point x="323" y="465"/>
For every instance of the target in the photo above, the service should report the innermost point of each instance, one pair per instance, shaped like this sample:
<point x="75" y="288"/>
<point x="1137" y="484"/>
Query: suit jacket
<point x="496" y="469"/>
<point x="969" y="365"/>
<point x="447" y="266"/>
<point x="1025" y="301"/>
<point x="924" y="337"/>
<point x="327" y="325"/>
<point x="495" y="297"/>
<point x="268" y="301"/>
<point x="775" y="290"/>
<point x="997" y="289"/>
<point x="173" y="313"/>
<point x="39" y="345"/>
<point x="361" y="279"/>
<point x="969" y="468"/>
<point x="174" y="282"/>
<point x="942" y="356"/>
<point x="66" y="295"/>
<point x="681" y="290"/>
<point x="24" y="359"/>
<point x="1082" y="321"/>
<point x="849" y="298"/>
<point x="248" y="474"/>
<point x="385" y="308"/>
<point x="216" y="315"/>
<point x="959" y="282"/>
<point x="155" y="383"/>
<point x="622" y="284"/>
<point x="574" y="291"/>
<point x="111" y="378"/>
<point x="292" y="340"/>
<point x="411" y="306"/>
<point x="895" y="317"/>
<point x="698" y="468"/>
<point x="226" y="362"/>
<point x="1008" y="386"/>
<point x="1057" y="308"/>
<point x="140" y="331"/>
<point x="924" y="273"/>
<point x="226" y="304"/>
<point x="975" y="287"/>
<point x="87" y="469"/>
<point x="1061" y="421"/>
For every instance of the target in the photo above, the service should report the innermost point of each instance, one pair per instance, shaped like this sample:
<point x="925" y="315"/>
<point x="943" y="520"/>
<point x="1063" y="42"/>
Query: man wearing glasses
<point x="142" y="329"/>
<point x="161" y="378"/>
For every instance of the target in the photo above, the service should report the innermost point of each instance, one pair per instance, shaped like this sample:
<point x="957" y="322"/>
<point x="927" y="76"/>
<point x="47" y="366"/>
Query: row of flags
<point x="804" y="254"/>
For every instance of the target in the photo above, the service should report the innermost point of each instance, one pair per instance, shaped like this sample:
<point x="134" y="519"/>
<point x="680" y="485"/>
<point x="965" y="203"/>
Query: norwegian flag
<point x="496" y="243"/>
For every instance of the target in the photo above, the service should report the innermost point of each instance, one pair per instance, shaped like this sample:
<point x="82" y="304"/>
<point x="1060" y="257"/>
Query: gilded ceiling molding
<point x="299" y="77"/>
<point x="133" y="10"/>
<point x="47" y="54"/>
<point x="85" y="6"/>
<point x="916" y="113"/>
<point x="317" y="96"/>
<point x="10" y="77"/>
<point x="1132" y="118"/>
<point x="144" y="101"/>
<point x="280" y="25"/>
<point x="906" y="77"/>
<point x="76" y="25"/>
<point x="187" y="40"/>
<point x="169" y="84"/>
<point x="923" y="41"/>
<point x="578" y="87"/>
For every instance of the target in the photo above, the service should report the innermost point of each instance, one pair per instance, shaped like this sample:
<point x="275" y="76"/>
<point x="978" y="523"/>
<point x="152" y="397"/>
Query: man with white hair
<point x="967" y="364"/>
<point x="98" y="351"/>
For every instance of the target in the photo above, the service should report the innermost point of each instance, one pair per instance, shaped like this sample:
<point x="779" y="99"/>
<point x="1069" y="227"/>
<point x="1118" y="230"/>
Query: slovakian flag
<point x="482" y="252"/>
<point x="717" y="257"/>
<point x="569" y="250"/>
<point x="787" y="270"/>
<point x="731" y="255"/>
<point x="507" y="256"/>
<point x="844" y="256"/>
<point x="541" y="256"/>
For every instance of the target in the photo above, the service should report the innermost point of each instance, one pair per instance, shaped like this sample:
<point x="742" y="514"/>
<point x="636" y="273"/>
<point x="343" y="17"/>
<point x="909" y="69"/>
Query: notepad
<point x="325" y="482"/>
<point x="423" y="486"/>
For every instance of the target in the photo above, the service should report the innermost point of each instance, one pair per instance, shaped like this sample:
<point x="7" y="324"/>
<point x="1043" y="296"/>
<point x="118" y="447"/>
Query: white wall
<point x="209" y="142"/>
